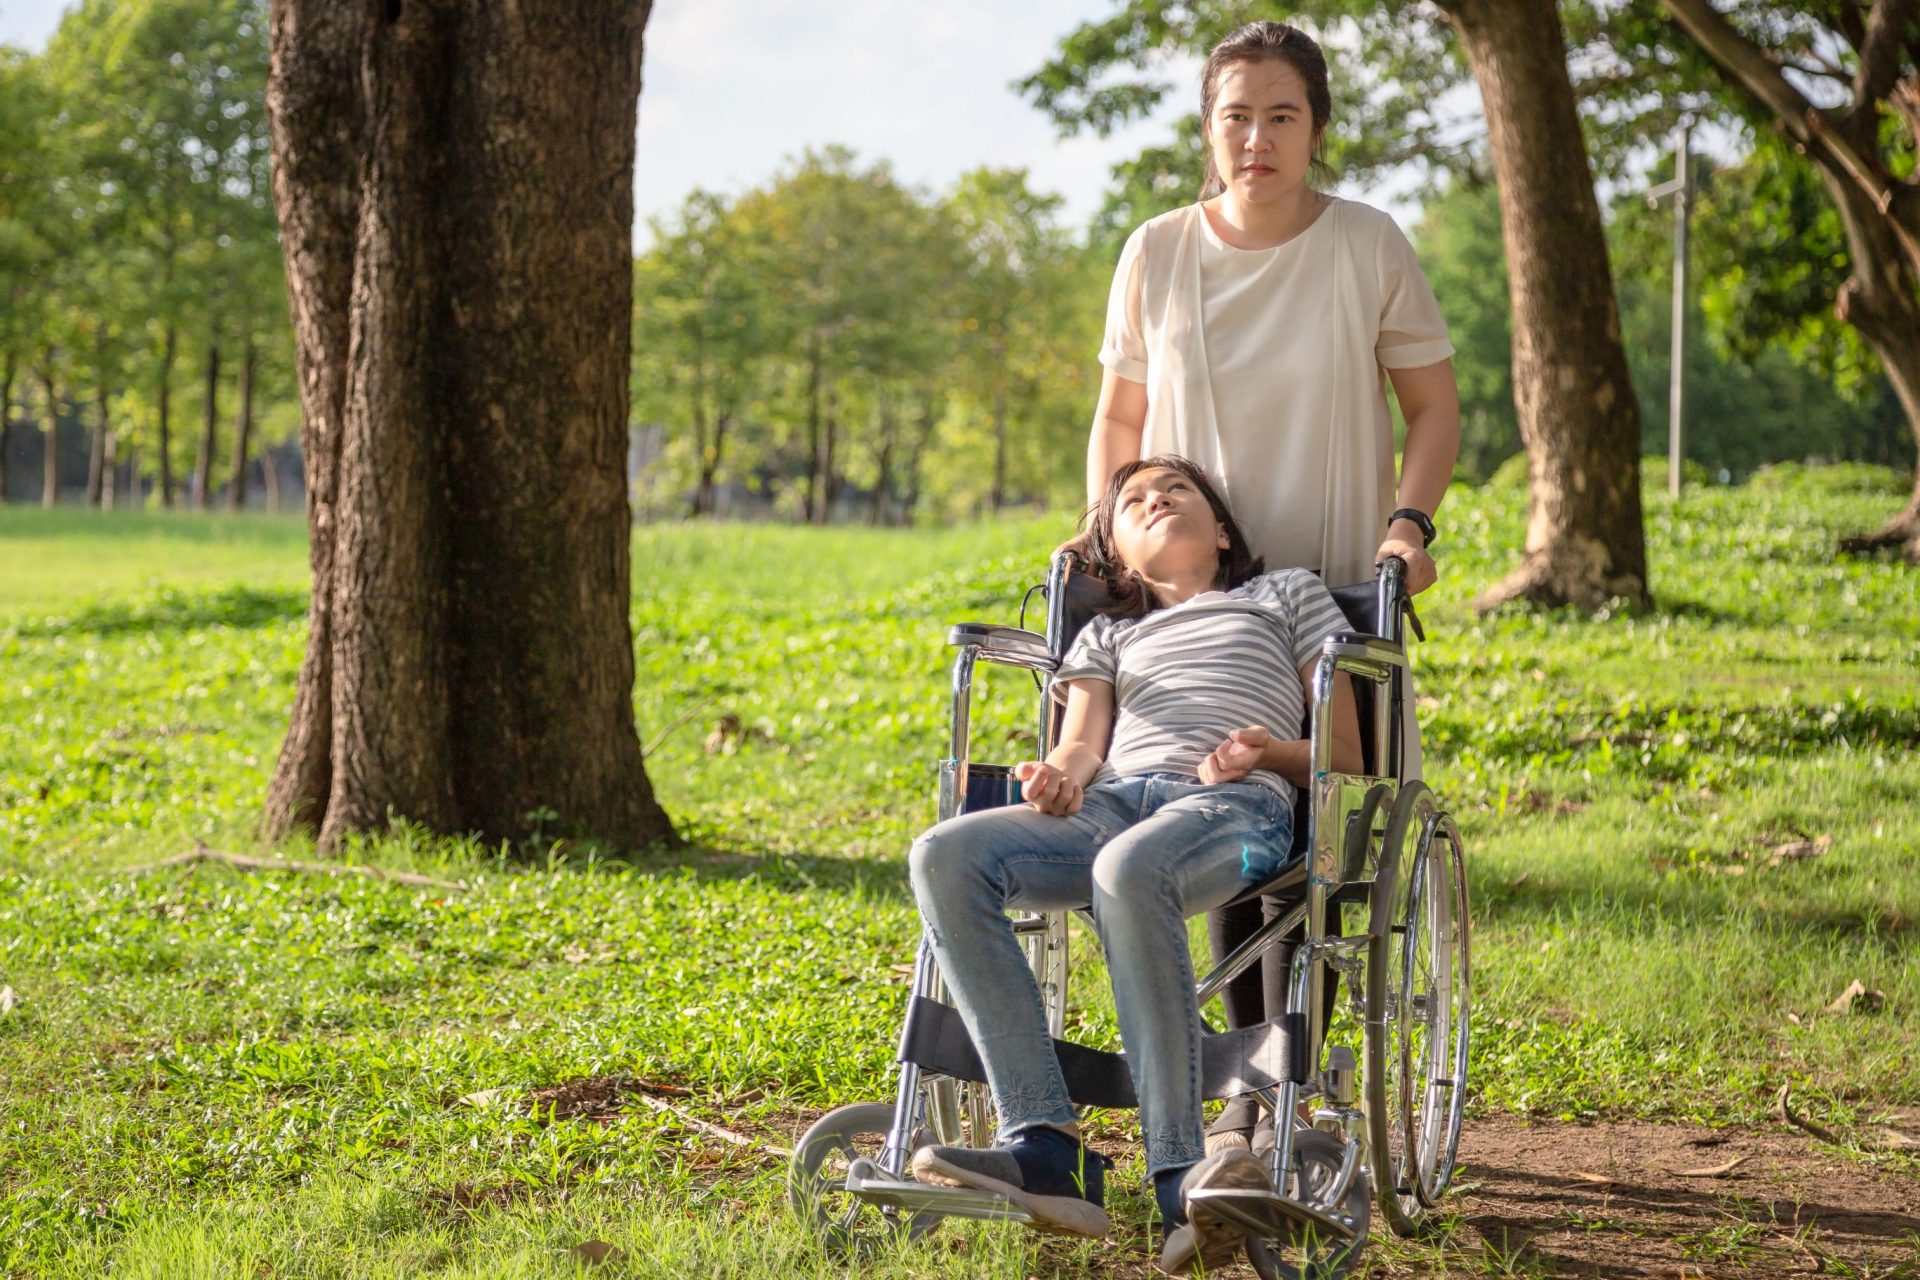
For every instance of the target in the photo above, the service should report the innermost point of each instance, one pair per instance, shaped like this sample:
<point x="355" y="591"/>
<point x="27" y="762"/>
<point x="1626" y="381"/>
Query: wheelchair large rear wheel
<point x="816" y="1182"/>
<point x="1417" y="1008"/>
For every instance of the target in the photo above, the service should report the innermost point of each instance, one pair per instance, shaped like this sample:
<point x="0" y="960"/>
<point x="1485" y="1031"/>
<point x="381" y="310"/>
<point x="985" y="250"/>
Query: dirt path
<point x="1610" y="1200"/>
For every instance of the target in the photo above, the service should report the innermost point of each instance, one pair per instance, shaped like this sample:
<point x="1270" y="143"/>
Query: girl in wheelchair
<point x="1168" y="794"/>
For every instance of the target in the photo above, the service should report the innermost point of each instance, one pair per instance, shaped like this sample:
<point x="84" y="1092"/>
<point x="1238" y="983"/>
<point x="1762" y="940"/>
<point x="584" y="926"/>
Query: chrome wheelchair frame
<point x="1385" y="1126"/>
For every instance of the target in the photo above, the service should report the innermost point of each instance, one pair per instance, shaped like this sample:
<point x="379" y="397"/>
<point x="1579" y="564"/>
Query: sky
<point x="735" y="88"/>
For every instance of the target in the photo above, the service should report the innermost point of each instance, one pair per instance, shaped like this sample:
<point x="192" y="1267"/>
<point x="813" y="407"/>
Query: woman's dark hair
<point x="1252" y="43"/>
<point x="1128" y="592"/>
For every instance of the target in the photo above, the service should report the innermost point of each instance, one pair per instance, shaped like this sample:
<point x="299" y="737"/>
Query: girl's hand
<point x="1237" y="757"/>
<point x="1048" y="789"/>
<point x="1420" y="571"/>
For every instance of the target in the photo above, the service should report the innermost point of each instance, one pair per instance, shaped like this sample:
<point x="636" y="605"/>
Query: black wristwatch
<point x="1420" y="518"/>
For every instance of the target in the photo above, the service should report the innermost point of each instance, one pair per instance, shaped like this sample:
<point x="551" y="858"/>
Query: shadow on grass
<point x="1685" y="904"/>
<point x="173" y="610"/>
<point x="880" y="877"/>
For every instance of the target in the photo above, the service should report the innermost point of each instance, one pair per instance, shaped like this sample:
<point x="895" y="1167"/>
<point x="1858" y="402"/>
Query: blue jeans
<point x="1146" y="852"/>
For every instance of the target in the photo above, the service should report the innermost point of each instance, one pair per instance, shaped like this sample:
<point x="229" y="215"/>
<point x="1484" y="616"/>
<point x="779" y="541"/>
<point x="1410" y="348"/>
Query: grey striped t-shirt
<point x="1185" y="677"/>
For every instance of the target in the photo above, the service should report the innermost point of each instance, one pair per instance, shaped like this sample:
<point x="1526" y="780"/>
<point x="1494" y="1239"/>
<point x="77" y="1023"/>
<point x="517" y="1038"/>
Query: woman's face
<point x="1164" y="527"/>
<point x="1261" y="133"/>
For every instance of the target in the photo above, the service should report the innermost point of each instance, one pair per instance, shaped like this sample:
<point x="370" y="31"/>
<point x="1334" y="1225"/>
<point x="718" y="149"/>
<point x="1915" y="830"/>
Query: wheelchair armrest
<point x="1367" y="655"/>
<point x="1011" y="646"/>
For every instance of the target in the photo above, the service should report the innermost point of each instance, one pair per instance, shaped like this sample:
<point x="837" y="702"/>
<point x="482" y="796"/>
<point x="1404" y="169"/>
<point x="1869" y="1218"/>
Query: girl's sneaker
<point x="1060" y="1181"/>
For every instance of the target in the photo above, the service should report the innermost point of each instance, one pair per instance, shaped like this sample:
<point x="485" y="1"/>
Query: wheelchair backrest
<point x="1074" y="598"/>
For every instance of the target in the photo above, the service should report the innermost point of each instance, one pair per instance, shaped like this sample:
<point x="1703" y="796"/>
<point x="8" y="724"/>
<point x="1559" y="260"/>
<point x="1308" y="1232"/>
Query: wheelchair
<point x="1370" y="918"/>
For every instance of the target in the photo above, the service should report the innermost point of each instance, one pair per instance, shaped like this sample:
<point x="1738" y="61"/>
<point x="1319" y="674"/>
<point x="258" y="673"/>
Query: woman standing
<point x="1255" y="332"/>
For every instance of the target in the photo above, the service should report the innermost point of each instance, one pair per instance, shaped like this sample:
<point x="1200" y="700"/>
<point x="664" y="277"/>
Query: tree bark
<point x="203" y="461"/>
<point x="1586" y="540"/>
<point x="164" y="446"/>
<point x="1879" y="212"/>
<point x="316" y="114"/>
<point x="50" y="463"/>
<point x="479" y="672"/>
<point x="242" y="430"/>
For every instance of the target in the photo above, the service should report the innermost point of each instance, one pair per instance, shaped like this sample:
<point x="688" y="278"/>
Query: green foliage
<point x="211" y="1069"/>
<point x="929" y="352"/>
<point x="147" y="186"/>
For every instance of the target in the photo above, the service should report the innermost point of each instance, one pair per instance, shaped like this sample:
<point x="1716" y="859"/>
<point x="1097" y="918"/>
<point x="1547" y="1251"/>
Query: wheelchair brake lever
<point x="1413" y="620"/>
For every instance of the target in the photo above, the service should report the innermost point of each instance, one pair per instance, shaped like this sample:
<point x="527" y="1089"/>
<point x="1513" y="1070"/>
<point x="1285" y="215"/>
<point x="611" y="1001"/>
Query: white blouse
<point x="1268" y="368"/>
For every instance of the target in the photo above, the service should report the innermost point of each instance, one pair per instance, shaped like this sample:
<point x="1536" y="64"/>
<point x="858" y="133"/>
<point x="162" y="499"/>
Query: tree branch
<point x="1758" y="76"/>
<point x="1887" y="28"/>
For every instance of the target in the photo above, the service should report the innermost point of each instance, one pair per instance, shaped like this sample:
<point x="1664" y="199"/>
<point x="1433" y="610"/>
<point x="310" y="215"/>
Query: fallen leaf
<point x="1716" y="1171"/>
<point x="596" y="1252"/>
<point x="1857" y="996"/>
<point x="577" y="954"/>
<point x="1881" y="1138"/>
<point x="484" y="1098"/>
<point x="1794" y="1018"/>
<point x="9" y="999"/>
<point x="1795" y="850"/>
<point x="1597" y="1179"/>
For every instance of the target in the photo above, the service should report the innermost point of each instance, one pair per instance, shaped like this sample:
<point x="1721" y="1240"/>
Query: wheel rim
<point x="816" y="1182"/>
<point x="1400" y="901"/>
<point x="1440" y="1102"/>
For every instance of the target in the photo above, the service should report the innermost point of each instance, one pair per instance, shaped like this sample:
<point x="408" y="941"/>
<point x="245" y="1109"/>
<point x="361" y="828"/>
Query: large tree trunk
<point x="1586" y="541"/>
<point x="209" y="424"/>
<point x="316" y="113"/>
<point x="164" y="446"/>
<point x="480" y="667"/>
<point x="242" y="431"/>
<point x="1879" y="211"/>
<point x="50" y="461"/>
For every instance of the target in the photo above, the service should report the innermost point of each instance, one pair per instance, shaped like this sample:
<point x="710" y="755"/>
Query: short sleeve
<point x="1315" y="616"/>
<point x="1124" y="348"/>
<point x="1413" y="334"/>
<point x="1089" y="657"/>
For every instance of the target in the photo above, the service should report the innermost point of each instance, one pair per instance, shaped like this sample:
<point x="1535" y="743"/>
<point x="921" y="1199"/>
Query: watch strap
<point x="1419" y="518"/>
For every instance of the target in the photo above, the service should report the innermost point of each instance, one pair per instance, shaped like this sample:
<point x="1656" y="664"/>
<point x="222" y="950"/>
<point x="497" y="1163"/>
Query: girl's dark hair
<point x="1128" y="592"/>
<point x="1252" y="43"/>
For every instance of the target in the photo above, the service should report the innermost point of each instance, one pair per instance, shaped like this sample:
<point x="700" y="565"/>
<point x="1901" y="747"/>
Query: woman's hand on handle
<point x="1236" y="757"/>
<point x="1421" y="573"/>
<point x="1048" y="789"/>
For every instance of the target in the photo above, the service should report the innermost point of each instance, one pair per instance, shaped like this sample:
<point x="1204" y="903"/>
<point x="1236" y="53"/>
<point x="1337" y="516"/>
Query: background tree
<point x="455" y="187"/>
<point x="1854" y="114"/>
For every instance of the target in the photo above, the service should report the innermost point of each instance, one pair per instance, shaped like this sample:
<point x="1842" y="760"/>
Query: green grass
<point x="210" y="1073"/>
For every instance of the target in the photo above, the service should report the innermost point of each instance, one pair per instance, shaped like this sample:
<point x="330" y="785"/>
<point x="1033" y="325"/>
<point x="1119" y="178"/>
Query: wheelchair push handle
<point x="1393" y="601"/>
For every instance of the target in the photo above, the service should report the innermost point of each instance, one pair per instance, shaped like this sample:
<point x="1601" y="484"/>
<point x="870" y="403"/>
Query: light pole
<point x="1681" y="189"/>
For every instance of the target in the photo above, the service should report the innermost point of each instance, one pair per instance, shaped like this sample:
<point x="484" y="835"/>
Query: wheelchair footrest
<point x="1270" y="1215"/>
<point x="875" y="1185"/>
<point x="1231" y="1063"/>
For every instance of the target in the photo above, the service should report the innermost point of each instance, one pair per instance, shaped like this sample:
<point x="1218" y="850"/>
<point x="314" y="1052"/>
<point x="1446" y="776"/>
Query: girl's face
<point x="1261" y="133"/>
<point x="1164" y="527"/>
